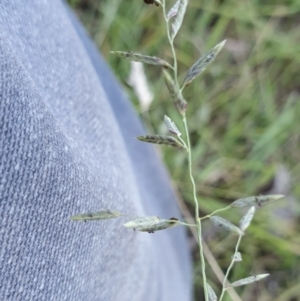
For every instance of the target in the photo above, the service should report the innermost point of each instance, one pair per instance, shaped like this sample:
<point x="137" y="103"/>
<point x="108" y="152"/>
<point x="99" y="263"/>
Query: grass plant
<point x="242" y="117"/>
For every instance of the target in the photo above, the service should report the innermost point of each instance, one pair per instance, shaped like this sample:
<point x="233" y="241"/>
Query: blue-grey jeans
<point x="67" y="146"/>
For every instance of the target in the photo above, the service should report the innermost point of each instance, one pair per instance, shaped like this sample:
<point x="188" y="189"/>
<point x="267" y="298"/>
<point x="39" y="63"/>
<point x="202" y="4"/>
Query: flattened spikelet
<point x="248" y="280"/>
<point x="247" y="218"/>
<point x="202" y="63"/>
<point x="171" y="126"/>
<point x="173" y="10"/>
<point x="237" y="257"/>
<point x="95" y="216"/>
<point x="161" y="139"/>
<point x="256" y="200"/>
<point x="175" y="94"/>
<point x="150" y="60"/>
<point x="211" y="293"/>
<point x="226" y="225"/>
<point x="178" y="18"/>
<point x="151" y="224"/>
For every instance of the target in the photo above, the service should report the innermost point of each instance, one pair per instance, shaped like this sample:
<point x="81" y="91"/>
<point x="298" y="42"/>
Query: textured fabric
<point x="67" y="146"/>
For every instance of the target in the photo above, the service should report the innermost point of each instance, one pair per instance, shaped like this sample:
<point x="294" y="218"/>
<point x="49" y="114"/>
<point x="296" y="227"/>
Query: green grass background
<point x="244" y="117"/>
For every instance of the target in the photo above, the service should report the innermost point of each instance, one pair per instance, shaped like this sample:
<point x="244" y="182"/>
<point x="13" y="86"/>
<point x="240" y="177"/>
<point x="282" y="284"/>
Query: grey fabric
<point x="67" y="146"/>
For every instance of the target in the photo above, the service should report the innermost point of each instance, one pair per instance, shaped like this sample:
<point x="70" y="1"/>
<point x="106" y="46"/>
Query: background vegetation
<point x="244" y="116"/>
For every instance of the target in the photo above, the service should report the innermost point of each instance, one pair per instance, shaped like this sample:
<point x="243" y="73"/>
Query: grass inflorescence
<point x="242" y="113"/>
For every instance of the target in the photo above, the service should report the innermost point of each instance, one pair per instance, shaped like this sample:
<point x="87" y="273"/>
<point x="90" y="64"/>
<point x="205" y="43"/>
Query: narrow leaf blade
<point x="202" y="63"/>
<point x="226" y="225"/>
<point x="161" y="139"/>
<point x="150" y="60"/>
<point x="178" y="18"/>
<point x="94" y="216"/>
<point x="248" y="280"/>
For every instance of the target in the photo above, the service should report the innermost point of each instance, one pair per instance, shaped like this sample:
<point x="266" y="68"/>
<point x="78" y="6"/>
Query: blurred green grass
<point x="243" y="114"/>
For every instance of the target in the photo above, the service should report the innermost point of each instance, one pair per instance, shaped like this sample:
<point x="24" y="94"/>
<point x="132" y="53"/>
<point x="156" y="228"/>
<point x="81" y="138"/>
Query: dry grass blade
<point x="161" y="139"/>
<point x="151" y="224"/>
<point x="226" y="225"/>
<point x="202" y="63"/>
<point x="178" y="18"/>
<point x="248" y="280"/>
<point x="175" y="94"/>
<point x="95" y="216"/>
<point x="171" y="126"/>
<point x="173" y="10"/>
<point x="150" y="60"/>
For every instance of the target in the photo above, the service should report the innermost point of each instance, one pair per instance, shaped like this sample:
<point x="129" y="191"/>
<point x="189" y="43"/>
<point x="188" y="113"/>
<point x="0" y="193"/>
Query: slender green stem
<point x="216" y="211"/>
<point x="189" y="225"/>
<point x="188" y="148"/>
<point x="230" y="267"/>
<point x="199" y="228"/>
<point x="171" y="44"/>
<point x="182" y="141"/>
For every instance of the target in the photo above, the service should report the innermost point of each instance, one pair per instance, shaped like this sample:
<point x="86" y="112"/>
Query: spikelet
<point x="151" y="224"/>
<point x="248" y="280"/>
<point x="171" y="126"/>
<point x="202" y="63"/>
<point x="146" y="59"/>
<point x="161" y="139"/>
<point x="226" y="225"/>
<point x="95" y="216"/>
<point x="256" y="200"/>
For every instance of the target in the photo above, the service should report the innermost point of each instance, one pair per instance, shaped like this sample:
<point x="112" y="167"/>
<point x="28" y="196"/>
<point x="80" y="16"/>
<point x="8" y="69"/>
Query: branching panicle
<point x="173" y="20"/>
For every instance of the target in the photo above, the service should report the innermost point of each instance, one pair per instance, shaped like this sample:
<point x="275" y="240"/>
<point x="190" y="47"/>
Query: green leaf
<point x="94" y="216"/>
<point x="202" y="63"/>
<point x="161" y="139"/>
<point x="151" y="224"/>
<point x="151" y="60"/>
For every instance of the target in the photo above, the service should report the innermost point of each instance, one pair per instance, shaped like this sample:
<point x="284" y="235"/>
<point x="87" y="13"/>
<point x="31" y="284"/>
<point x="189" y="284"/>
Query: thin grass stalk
<point x="230" y="267"/>
<point x="197" y="217"/>
<point x="171" y="43"/>
<point x="199" y="226"/>
<point x="216" y="211"/>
